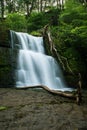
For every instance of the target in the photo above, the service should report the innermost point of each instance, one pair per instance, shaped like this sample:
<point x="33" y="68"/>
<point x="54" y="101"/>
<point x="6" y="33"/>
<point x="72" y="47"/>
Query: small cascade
<point x="34" y="67"/>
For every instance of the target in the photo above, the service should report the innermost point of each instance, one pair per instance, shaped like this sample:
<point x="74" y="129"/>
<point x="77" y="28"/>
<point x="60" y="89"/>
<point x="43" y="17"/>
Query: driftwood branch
<point x="76" y="95"/>
<point x="58" y="92"/>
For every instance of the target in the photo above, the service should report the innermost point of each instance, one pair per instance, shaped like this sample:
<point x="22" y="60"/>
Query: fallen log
<point x="67" y="94"/>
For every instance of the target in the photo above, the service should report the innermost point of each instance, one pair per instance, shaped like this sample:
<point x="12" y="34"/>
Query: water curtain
<point x="34" y="67"/>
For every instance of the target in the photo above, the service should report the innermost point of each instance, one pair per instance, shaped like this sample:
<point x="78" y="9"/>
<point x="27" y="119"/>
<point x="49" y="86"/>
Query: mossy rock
<point x="4" y="35"/>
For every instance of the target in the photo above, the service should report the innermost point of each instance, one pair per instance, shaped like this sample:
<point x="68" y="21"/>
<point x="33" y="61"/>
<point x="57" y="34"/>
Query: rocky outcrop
<point x="6" y="59"/>
<point x="4" y="37"/>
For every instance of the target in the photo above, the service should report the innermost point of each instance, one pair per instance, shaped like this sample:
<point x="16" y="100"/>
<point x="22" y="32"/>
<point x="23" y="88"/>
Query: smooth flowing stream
<point x="34" y="67"/>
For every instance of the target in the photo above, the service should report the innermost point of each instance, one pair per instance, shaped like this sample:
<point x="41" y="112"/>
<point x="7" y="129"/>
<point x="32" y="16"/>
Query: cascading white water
<point x="34" y="67"/>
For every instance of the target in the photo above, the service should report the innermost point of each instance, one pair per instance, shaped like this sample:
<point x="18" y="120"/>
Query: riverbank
<point x="33" y="109"/>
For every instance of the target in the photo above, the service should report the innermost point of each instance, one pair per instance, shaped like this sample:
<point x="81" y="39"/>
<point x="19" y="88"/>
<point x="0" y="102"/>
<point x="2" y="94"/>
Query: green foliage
<point x="74" y="59"/>
<point x="71" y="36"/>
<point x="39" y="20"/>
<point x="75" y="21"/>
<point x="35" y="21"/>
<point x="35" y="33"/>
<point x="16" y="22"/>
<point x="73" y="5"/>
<point x="69" y="17"/>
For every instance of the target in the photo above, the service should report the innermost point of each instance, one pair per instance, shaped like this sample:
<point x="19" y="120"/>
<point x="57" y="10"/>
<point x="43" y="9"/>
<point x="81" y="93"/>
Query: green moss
<point x="3" y="108"/>
<point x="35" y="33"/>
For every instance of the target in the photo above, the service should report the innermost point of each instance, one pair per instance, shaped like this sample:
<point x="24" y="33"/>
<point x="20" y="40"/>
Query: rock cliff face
<point x="4" y="36"/>
<point x="6" y="59"/>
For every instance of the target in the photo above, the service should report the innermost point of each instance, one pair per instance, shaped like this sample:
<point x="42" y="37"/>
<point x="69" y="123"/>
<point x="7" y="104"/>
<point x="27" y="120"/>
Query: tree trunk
<point x="45" y="5"/>
<point x="2" y="9"/>
<point x="41" y="5"/>
<point x="27" y="5"/>
<point x="38" y="4"/>
<point x="31" y="8"/>
<point x="57" y="4"/>
<point x="60" y="4"/>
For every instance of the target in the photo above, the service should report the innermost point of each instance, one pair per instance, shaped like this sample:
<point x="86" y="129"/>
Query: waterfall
<point x="34" y="67"/>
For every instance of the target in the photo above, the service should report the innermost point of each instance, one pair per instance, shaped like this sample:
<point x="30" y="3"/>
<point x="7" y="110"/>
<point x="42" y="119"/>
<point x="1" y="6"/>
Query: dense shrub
<point x="16" y="22"/>
<point x="71" y="37"/>
<point x="39" y="20"/>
